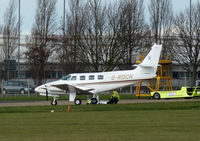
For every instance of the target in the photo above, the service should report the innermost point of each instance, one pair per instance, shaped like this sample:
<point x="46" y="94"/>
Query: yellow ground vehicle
<point x="185" y="92"/>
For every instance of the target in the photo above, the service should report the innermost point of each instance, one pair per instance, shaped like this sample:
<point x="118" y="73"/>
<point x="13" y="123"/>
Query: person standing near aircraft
<point x="114" y="98"/>
<point x="89" y="101"/>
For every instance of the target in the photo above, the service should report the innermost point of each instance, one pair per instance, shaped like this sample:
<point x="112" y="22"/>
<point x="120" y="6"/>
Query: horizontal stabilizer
<point x="146" y="65"/>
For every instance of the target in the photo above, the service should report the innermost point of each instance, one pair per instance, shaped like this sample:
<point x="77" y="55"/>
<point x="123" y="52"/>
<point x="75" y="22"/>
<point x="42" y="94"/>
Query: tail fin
<point x="150" y="62"/>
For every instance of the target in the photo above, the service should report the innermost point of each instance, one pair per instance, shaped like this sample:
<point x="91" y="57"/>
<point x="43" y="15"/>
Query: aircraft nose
<point x="37" y="89"/>
<point x="40" y="89"/>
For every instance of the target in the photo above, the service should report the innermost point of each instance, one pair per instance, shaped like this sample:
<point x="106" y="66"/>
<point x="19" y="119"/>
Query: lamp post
<point x="18" y="58"/>
<point x="64" y="17"/>
<point x="190" y="19"/>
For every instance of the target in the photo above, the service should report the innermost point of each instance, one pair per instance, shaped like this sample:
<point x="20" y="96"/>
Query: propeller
<point x="46" y="92"/>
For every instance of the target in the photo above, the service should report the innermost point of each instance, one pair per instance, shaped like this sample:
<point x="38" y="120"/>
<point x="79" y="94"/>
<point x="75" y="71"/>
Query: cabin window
<point x="67" y="77"/>
<point x="73" y="78"/>
<point x="82" y="77"/>
<point x="91" y="77"/>
<point x="100" y="77"/>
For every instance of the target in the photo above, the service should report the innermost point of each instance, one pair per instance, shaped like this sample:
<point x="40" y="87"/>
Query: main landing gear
<point x="77" y="101"/>
<point x="93" y="100"/>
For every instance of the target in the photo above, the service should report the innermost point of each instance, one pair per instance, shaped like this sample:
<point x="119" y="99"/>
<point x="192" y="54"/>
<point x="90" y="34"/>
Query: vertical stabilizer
<point x="150" y="62"/>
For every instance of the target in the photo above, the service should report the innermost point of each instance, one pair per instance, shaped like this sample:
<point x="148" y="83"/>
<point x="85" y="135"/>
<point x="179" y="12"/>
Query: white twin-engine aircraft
<point x="94" y="83"/>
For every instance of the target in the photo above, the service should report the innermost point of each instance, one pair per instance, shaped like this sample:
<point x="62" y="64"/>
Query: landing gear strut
<point x="54" y="101"/>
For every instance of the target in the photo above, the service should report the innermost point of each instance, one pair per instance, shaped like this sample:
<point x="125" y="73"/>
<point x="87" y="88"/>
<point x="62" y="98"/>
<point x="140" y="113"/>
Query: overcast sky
<point x="28" y="8"/>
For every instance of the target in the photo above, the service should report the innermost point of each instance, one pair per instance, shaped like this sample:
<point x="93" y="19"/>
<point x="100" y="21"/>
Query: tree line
<point x="100" y="36"/>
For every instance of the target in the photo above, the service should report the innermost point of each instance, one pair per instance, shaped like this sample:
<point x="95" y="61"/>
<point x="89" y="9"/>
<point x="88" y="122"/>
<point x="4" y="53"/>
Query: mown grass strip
<point x="118" y="107"/>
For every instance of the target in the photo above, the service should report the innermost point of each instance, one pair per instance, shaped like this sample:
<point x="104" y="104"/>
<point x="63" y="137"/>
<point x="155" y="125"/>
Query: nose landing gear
<point x="54" y="101"/>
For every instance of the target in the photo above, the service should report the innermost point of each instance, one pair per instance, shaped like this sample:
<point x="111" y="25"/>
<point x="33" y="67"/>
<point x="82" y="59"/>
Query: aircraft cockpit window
<point x="67" y="77"/>
<point x="82" y="77"/>
<point x="91" y="77"/>
<point x="100" y="77"/>
<point x="73" y="78"/>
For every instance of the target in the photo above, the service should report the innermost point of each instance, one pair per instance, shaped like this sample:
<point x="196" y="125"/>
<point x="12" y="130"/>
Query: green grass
<point x="139" y="122"/>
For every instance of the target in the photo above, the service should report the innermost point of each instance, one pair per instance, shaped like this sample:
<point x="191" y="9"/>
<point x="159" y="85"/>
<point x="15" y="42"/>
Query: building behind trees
<point x="99" y="36"/>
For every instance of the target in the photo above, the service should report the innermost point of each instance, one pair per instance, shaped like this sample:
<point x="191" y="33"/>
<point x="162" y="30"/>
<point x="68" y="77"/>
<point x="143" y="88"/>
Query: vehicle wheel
<point x="22" y="91"/>
<point x="94" y="101"/>
<point x="4" y="91"/>
<point x="77" y="102"/>
<point x="54" y="102"/>
<point x="156" y="96"/>
<point x="187" y="97"/>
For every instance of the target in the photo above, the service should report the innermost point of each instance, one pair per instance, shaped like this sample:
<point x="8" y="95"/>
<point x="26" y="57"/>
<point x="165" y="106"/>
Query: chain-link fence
<point x="14" y="88"/>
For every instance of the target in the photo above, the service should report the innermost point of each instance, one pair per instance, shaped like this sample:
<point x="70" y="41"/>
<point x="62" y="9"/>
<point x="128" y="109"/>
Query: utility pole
<point x="63" y="39"/>
<point x="190" y="19"/>
<point x="64" y="18"/>
<point x="18" y="58"/>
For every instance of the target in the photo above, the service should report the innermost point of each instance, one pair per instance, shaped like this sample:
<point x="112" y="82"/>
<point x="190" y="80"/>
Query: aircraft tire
<point x="77" y="102"/>
<point x="94" y="101"/>
<point x="156" y="95"/>
<point x="54" y="103"/>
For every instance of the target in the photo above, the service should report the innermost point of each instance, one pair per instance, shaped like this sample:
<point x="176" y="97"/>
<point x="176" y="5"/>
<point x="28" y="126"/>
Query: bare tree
<point x="112" y="51"/>
<point x="93" y="37"/>
<point x="96" y="34"/>
<point x="1" y="29"/>
<point x="70" y="52"/>
<point x="106" y="41"/>
<point x="132" y="29"/>
<point x="186" y="48"/>
<point x="1" y="46"/>
<point x="160" y="18"/>
<point x="1" y="57"/>
<point x="10" y="31"/>
<point x="41" y="45"/>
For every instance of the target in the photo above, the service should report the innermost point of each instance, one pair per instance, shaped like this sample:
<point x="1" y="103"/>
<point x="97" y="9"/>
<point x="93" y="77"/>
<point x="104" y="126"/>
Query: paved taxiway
<point x="66" y="102"/>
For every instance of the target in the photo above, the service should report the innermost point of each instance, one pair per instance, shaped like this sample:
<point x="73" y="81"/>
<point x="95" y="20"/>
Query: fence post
<point x="2" y="88"/>
<point x="28" y="88"/>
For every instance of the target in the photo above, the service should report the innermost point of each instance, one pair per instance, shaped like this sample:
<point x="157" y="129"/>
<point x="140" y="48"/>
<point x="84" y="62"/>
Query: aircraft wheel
<point x="94" y="101"/>
<point x="156" y="96"/>
<point x="54" y="102"/>
<point x="77" y="102"/>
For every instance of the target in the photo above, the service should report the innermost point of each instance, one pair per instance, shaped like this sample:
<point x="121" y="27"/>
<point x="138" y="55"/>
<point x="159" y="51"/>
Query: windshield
<point x="67" y="77"/>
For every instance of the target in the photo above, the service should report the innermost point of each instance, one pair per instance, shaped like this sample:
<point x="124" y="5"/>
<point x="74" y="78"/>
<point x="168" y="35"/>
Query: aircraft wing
<point x="61" y="86"/>
<point x="82" y="89"/>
